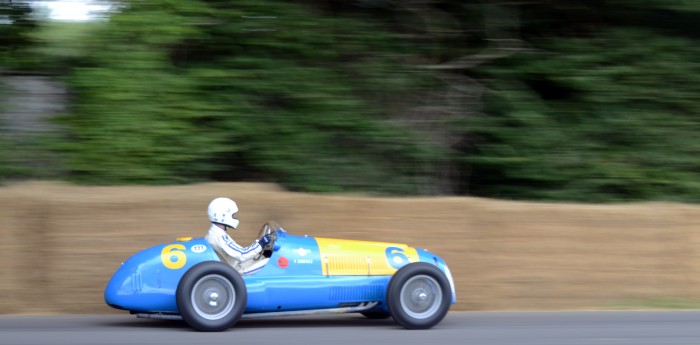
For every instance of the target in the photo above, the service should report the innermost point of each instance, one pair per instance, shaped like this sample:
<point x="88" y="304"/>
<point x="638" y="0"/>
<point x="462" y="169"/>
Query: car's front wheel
<point x="211" y="296"/>
<point x="419" y="296"/>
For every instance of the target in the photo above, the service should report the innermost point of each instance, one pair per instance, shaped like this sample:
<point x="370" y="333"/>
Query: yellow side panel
<point x="347" y="257"/>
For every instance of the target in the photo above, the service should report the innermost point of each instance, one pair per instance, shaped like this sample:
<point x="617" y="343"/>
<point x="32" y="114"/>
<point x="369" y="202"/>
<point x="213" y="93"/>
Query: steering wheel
<point x="267" y="229"/>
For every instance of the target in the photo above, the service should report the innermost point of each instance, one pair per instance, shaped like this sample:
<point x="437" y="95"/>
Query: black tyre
<point x="419" y="296"/>
<point x="376" y="314"/>
<point x="211" y="296"/>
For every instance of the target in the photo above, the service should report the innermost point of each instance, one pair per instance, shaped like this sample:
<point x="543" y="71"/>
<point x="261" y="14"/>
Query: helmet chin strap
<point x="224" y="226"/>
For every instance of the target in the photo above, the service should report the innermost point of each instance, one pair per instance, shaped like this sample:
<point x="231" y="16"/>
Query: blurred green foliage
<point x="16" y="25"/>
<point x="180" y="91"/>
<point x="607" y="110"/>
<point x="566" y="100"/>
<point x="5" y="166"/>
<point x="610" y="117"/>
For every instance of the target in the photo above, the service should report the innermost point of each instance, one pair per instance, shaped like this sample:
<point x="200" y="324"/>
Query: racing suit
<point x="229" y="251"/>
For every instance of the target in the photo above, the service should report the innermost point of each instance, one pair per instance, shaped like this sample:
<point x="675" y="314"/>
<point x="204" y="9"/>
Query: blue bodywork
<point x="292" y="279"/>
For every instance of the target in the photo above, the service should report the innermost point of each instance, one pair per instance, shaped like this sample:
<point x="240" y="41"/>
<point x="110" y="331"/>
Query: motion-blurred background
<point x="350" y="112"/>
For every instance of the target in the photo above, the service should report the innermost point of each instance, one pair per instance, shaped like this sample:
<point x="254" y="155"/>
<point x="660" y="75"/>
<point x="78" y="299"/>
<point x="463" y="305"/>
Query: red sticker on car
<point x="282" y="262"/>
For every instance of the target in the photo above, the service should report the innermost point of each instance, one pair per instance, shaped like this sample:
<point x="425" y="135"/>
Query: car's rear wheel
<point x="419" y="296"/>
<point x="211" y="296"/>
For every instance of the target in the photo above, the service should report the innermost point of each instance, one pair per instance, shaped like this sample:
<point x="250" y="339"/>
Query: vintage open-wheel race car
<point x="295" y="275"/>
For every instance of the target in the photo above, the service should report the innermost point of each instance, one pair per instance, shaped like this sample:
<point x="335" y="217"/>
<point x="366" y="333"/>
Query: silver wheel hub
<point x="421" y="296"/>
<point x="213" y="297"/>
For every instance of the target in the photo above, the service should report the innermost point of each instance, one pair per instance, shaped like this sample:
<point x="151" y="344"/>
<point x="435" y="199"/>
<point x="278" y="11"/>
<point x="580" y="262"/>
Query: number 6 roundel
<point x="173" y="256"/>
<point x="396" y="257"/>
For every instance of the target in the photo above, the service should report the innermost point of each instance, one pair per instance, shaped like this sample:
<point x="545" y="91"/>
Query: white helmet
<point x="223" y="211"/>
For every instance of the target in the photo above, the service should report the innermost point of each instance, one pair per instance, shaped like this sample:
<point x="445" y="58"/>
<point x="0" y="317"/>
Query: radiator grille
<point x="358" y="265"/>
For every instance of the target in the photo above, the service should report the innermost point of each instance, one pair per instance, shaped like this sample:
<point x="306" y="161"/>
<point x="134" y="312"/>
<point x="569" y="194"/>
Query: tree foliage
<point x="177" y="91"/>
<point x="16" y="26"/>
<point x="592" y="114"/>
<point x="560" y="100"/>
<point x="597" y="118"/>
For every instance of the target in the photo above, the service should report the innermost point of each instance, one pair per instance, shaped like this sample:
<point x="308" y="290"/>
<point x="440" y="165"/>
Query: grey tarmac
<point x="492" y="328"/>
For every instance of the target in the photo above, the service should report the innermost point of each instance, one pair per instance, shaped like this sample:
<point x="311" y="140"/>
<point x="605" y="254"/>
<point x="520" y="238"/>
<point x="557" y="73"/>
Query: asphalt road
<point x="575" y="328"/>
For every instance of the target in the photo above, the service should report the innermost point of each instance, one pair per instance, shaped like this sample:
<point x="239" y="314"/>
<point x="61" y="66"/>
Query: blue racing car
<point x="298" y="275"/>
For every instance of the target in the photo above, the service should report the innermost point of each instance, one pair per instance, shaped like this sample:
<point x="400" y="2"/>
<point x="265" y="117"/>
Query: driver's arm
<point x="237" y="252"/>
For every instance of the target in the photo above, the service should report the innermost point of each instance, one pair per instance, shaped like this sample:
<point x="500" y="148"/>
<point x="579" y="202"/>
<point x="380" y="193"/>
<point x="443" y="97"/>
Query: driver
<point x="222" y="214"/>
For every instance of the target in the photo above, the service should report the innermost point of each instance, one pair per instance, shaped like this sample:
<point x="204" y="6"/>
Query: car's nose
<point x="120" y="287"/>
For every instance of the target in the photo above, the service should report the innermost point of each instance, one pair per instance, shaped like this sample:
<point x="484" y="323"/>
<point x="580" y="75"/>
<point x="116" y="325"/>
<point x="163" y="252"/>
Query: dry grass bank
<point x="60" y="243"/>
